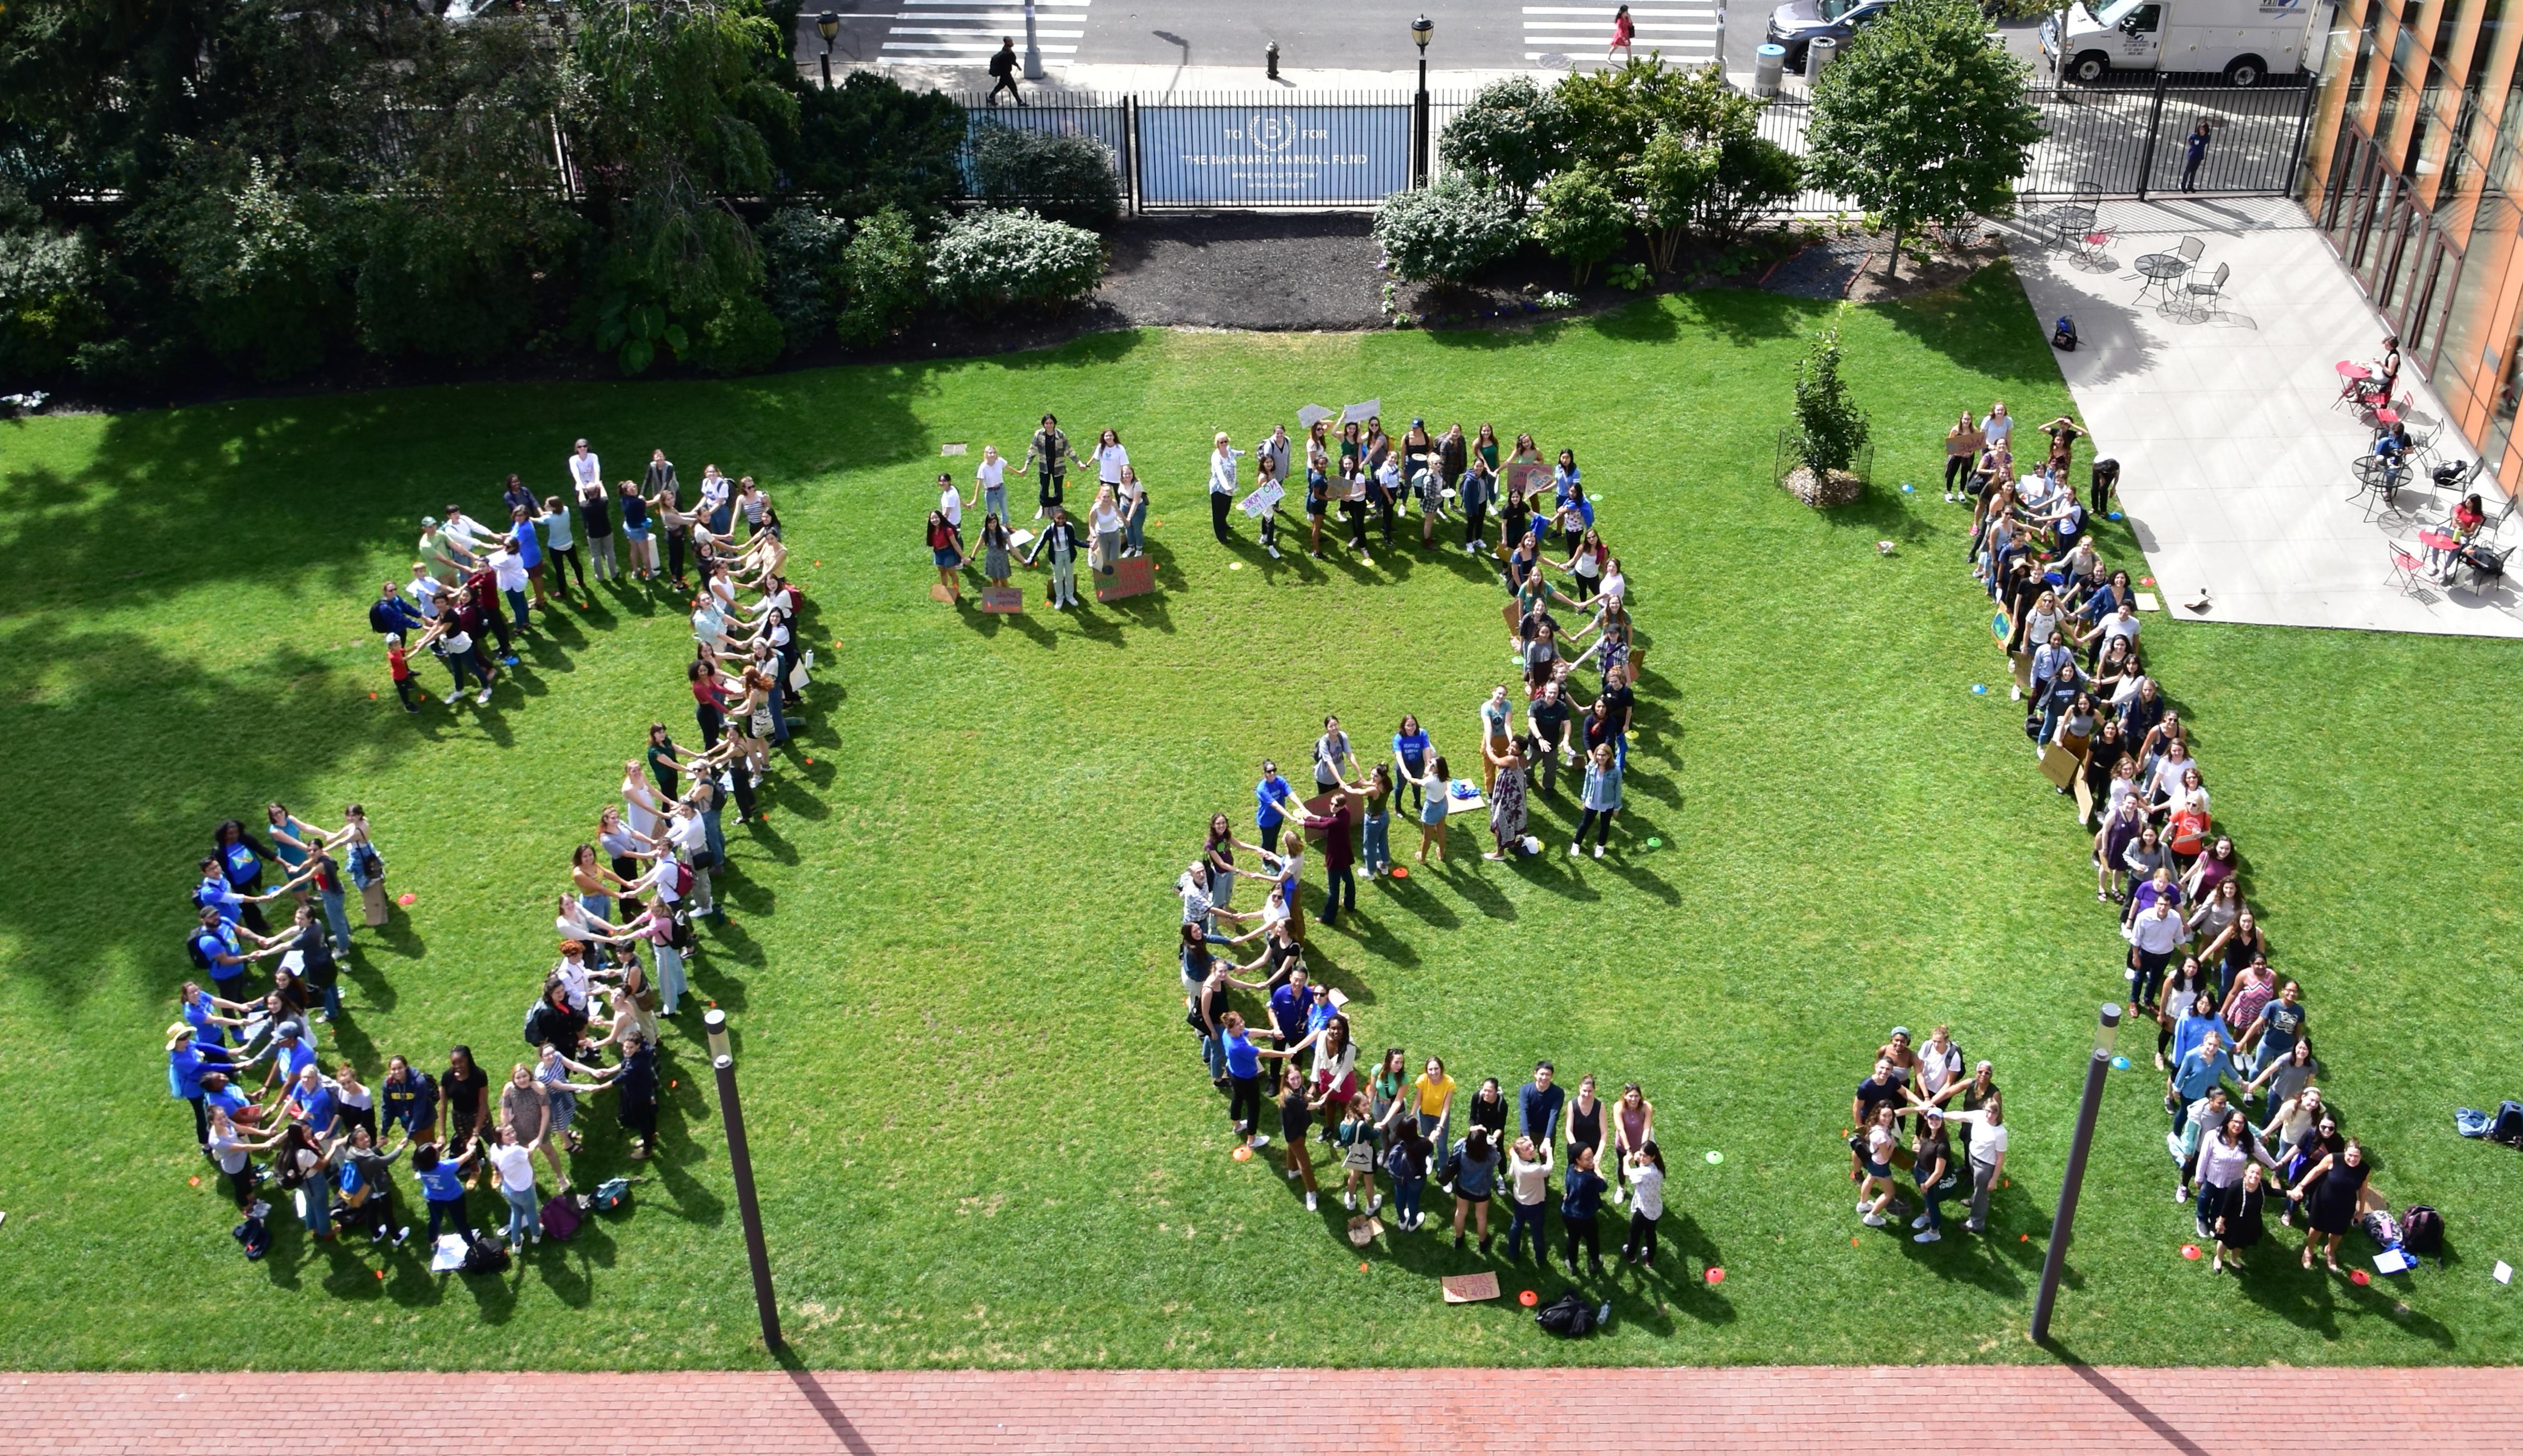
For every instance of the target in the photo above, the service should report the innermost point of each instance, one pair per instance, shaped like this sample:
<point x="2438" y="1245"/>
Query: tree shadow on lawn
<point x="170" y="501"/>
<point x="138" y="769"/>
<point x="1985" y="325"/>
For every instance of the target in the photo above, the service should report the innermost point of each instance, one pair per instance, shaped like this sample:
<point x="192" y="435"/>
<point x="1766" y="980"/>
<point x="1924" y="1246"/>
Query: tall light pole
<point x="828" y="24"/>
<point x="2062" y="1227"/>
<point x="1421" y="30"/>
<point x="739" y="1162"/>
<point x="1034" y="50"/>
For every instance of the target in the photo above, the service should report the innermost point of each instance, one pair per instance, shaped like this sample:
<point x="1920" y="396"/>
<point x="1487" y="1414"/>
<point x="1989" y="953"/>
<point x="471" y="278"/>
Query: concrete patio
<point x="2235" y="465"/>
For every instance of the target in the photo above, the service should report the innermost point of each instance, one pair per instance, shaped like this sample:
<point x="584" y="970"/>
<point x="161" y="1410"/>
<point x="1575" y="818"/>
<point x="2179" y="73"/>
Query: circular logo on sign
<point x="1270" y="133"/>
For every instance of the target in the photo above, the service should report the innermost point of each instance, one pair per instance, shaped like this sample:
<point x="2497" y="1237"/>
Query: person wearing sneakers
<point x="1528" y="1194"/>
<point x="1296" y="1114"/>
<point x="1472" y="1172"/>
<point x="1879" y="1141"/>
<point x="1581" y="1199"/>
<point x="1600" y="800"/>
<point x="1935" y="1171"/>
<point x="1244" y="1081"/>
<point x="514" y="1162"/>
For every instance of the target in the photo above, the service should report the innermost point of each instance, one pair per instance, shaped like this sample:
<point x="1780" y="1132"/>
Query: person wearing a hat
<point x="187" y="1058"/>
<point x="1905" y="1062"/>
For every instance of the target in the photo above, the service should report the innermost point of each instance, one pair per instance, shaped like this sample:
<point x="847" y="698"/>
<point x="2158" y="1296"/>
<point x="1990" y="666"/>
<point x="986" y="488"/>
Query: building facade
<point x="2414" y="173"/>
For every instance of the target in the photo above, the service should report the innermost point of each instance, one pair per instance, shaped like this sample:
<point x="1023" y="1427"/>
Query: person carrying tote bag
<point x="367" y="867"/>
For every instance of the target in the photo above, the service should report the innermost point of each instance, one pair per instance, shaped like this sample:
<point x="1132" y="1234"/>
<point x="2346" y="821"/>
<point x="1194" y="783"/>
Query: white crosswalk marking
<point x="1685" y="31"/>
<point x="968" y="32"/>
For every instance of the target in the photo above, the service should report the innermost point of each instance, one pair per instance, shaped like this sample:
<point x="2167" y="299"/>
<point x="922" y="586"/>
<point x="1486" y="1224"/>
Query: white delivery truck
<point x="2244" y="40"/>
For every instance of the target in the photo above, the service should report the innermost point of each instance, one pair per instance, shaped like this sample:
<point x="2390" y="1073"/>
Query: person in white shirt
<point x="1998" y="427"/>
<point x="515" y="1165"/>
<point x="1646" y="1208"/>
<point x="1110" y="457"/>
<point x="585" y="469"/>
<point x="1528" y="1194"/>
<point x="950" y="502"/>
<point x="1222" y="456"/>
<point x="993" y="473"/>
<point x="426" y="590"/>
<point x="1987" y="1156"/>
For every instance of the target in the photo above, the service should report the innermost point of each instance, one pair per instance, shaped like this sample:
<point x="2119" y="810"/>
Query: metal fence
<point x="2127" y="141"/>
<point x="1281" y="151"/>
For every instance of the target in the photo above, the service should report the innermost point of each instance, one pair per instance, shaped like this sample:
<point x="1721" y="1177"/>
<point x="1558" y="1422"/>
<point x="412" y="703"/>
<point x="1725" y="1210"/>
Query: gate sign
<point x="1310" y="154"/>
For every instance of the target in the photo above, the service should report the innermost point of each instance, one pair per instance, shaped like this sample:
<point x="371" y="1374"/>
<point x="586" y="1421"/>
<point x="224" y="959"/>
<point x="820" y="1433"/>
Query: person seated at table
<point x="2379" y="386"/>
<point x="2445" y="544"/>
<point x="2392" y="447"/>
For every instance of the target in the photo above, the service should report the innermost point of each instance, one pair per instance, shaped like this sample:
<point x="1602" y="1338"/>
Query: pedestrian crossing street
<point x="966" y="32"/>
<point x="1686" y="32"/>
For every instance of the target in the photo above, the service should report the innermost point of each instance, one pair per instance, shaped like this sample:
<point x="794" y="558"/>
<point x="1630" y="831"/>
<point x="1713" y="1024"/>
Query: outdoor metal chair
<point x="2201" y="297"/>
<point x="2404" y="571"/>
<point x="2190" y="249"/>
<point x="2484" y="564"/>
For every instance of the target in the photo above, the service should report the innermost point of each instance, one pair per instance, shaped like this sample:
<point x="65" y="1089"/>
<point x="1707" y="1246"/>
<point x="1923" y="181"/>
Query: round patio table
<point x="2351" y="371"/>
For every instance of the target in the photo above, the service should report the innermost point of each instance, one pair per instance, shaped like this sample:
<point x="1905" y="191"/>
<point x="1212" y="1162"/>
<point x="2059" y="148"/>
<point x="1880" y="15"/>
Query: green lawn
<point x="982" y="1135"/>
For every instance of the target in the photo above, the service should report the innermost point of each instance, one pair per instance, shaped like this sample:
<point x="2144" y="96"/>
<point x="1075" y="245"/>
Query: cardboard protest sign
<point x="1132" y="576"/>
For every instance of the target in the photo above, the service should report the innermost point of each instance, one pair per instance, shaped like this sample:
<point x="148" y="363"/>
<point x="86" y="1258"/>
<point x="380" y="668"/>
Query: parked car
<point x="1797" y="23"/>
<point x="2247" y="42"/>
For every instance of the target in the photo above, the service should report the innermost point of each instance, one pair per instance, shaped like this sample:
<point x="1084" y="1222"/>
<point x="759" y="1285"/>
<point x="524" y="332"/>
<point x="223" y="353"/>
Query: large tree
<point x="1922" y="119"/>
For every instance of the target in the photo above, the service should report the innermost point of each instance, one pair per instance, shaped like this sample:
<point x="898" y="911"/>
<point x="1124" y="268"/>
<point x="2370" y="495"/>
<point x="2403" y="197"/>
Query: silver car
<point x="1796" y="24"/>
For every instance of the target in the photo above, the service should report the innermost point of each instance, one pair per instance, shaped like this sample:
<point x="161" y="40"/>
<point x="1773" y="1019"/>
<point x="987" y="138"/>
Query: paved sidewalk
<point x="2235" y="463"/>
<point x="1738" y="1411"/>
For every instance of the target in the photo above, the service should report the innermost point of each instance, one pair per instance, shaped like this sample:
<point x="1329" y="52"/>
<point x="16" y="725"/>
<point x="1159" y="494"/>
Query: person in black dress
<point x="2238" y="1225"/>
<point x="2331" y="1207"/>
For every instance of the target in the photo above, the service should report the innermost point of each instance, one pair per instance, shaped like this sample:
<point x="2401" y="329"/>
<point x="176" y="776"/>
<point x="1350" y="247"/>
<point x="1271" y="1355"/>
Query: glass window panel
<point x="2473" y="306"/>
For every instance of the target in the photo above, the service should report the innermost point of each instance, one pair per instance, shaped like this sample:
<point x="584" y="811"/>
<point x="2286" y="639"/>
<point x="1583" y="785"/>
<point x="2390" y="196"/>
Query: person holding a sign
<point x="1263" y="503"/>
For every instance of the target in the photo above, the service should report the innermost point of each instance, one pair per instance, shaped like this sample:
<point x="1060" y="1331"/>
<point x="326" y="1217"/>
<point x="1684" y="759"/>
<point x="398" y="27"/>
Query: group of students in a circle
<point x="643" y="884"/>
<point x="2230" y="1030"/>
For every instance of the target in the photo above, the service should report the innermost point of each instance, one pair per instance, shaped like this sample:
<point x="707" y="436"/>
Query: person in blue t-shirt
<point x="442" y="1186"/>
<point x="1272" y="802"/>
<point x="1538" y="1104"/>
<point x="1243" y="1079"/>
<point x="1410" y="751"/>
<point x="184" y="1067"/>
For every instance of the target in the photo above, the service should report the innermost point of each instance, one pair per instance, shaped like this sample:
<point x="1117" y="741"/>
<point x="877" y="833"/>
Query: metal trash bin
<point x="1769" y="66"/>
<point x="1819" y="52"/>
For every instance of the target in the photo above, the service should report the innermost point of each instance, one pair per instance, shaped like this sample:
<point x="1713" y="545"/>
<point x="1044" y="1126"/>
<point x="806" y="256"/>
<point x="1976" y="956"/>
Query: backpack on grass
<point x="2422" y="1232"/>
<point x="560" y="1218"/>
<point x="255" y="1236"/>
<point x="484" y="1255"/>
<point x="2508" y="1128"/>
<point x="1566" y="1316"/>
<point x="610" y="1194"/>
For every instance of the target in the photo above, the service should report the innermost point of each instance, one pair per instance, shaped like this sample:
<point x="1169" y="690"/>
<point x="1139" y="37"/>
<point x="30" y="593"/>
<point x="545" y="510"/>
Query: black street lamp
<point x="740" y="1163"/>
<point x="1421" y="29"/>
<point x="828" y="24"/>
<point x="2062" y="1227"/>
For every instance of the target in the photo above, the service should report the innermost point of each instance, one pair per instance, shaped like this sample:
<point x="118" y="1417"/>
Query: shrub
<point x="49" y="289"/>
<point x="996" y="258"/>
<point x="1830" y="429"/>
<point x="1509" y="136"/>
<point x="1443" y="234"/>
<point x="742" y="337"/>
<point x="1580" y="220"/>
<point x="869" y="144"/>
<point x="257" y="258"/>
<point x="1755" y="177"/>
<point x="806" y="273"/>
<point x="884" y="277"/>
<point x="1065" y="176"/>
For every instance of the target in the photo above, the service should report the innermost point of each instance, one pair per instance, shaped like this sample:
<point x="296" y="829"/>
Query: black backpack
<point x="193" y="950"/>
<point x="2063" y="336"/>
<point x="2422" y="1232"/>
<point x="486" y="1256"/>
<point x="2508" y="1126"/>
<point x="255" y="1236"/>
<point x="1566" y="1316"/>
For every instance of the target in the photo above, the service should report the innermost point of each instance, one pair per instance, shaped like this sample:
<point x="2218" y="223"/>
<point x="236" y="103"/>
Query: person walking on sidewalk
<point x="1624" y="32"/>
<point x="1004" y="67"/>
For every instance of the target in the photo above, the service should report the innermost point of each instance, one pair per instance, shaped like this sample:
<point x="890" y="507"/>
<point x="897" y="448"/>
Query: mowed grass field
<point x="981" y="1134"/>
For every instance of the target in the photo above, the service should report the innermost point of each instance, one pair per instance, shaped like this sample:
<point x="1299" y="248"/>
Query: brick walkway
<point x="1742" y="1412"/>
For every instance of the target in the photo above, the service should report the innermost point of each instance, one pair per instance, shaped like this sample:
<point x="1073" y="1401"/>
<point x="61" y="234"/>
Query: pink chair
<point x="2404" y="570"/>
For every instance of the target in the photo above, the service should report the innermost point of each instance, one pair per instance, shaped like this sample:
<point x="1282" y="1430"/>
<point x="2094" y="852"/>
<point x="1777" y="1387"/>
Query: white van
<point x="2245" y="41"/>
